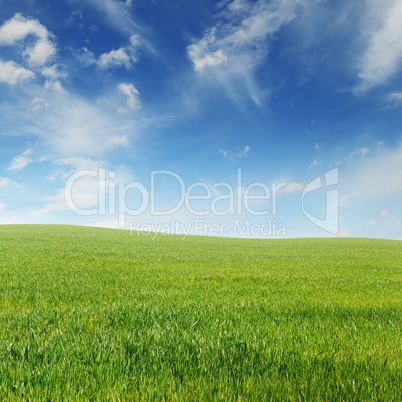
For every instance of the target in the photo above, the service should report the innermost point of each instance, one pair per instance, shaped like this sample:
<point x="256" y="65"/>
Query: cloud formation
<point x="117" y="13"/>
<point x="12" y="73"/>
<point x="133" y="98"/>
<point x="4" y="182"/>
<point x="394" y="99"/>
<point x="18" y="28"/>
<point x="382" y="58"/>
<point x="239" y="154"/>
<point x="240" y="41"/>
<point x="20" y="161"/>
<point x="384" y="213"/>
<point x="291" y="189"/>
<point x="125" y="56"/>
<point x="37" y="104"/>
<point x="115" y="58"/>
<point x="115" y="141"/>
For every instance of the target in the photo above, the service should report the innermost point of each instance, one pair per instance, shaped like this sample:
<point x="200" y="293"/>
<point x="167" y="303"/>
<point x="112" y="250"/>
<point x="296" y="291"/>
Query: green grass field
<point x="98" y="314"/>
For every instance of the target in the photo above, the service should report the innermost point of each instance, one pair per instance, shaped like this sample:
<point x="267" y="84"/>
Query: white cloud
<point x="291" y="188"/>
<point x="224" y="153"/>
<point x="116" y="141"/>
<point x="395" y="100"/>
<point x="2" y="206"/>
<point x="313" y="164"/>
<point x="4" y="182"/>
<point x="53" y="73"/>
<point x="116" y="58"/>
<point x="18" y="28"/>
<point x="76" y="14"/>
<point x="358" y="152"/>
<point x="37" y="104"/>
<point x="54" y="86"/>
<point x="239" y="154"/>
<point x="362" y="152"/>
<point x="201" y="55"/>
<point x="12" y="73"/>
<point x="244" y="153"/>
<point x="80" y="163"/>
<point x="20" y="161"/>
<point x="39" y="54"/>
<point x="135" y="41"/>
<point x="123" y="57"/>
<point x="85" y="56"/>
<point x="383" y="55"/>
<point x="73" y="126"/>
<point x="133" y="100"/>
<point x="240" y="41"/>
<point x="81" y="127"/>
<point x="384" y="213"/>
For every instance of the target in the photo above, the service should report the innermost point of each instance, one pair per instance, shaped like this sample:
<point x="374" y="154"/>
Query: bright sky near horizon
<point x="277" y="92"/>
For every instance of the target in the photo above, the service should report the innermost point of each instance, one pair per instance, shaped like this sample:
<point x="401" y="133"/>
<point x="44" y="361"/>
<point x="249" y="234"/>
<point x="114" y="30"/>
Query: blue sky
<point x="285" y="91"/>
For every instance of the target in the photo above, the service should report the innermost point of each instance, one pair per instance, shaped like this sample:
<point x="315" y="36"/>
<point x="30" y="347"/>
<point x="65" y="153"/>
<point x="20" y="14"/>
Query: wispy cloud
<point x="54" y="72"/>
<point x="133" y="98"/>
<point x="4" y="182"/>
<point x="20" y="161"/>
<point x="70" y="125"/>
<point x="394" y="100"/>
<point x="239" y="154"/>
<point x="115" y="141"/>
<point x="117" y="13"/>
<point x="240" y="41"/>
<point x="382" y="57"/>
<point x="37" y="104"/>
<point x="357" y="153"/>
<point x="362" y="152"/>
<point x="291" y="189"/>
<point x="384" y="213"/>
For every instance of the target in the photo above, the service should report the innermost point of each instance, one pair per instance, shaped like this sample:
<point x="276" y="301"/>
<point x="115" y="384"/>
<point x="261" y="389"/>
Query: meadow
<point x="97" y="314"/>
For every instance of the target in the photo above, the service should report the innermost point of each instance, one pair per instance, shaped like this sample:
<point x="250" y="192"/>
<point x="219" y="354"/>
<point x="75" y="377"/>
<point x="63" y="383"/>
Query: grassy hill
<point x="98" y="314"/>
